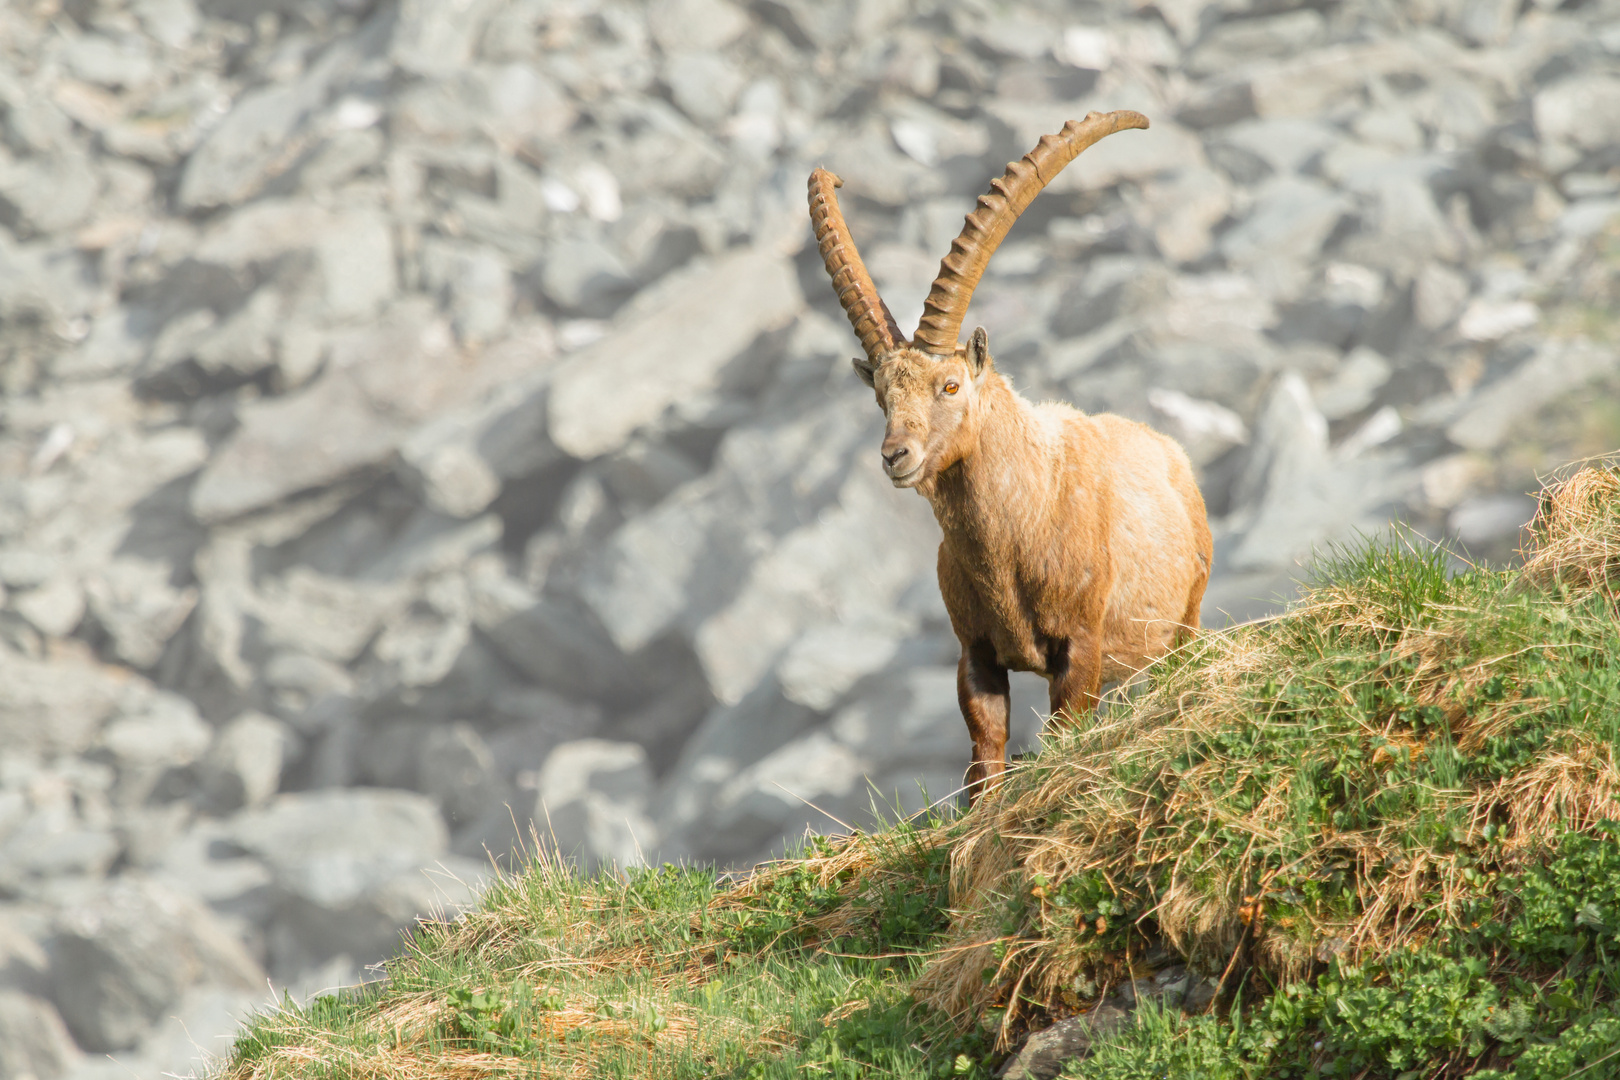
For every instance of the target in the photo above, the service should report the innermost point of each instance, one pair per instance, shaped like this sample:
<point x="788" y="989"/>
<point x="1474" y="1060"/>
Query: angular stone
<point x="164" y="732"/>
<point x="1583" y="109"/>
<point x="332" y="848"/>
<point x="242" y="767"/>
<point x="1291" y="218"/>
<point x="672" y="348"/>
<point x="43" y="196"/>
<point x="829" y="658"/>
<point x="323" y="615"/>
<point x="798" y="786"/>
<point x="266" y="127"/>
<point x="134" y="604"/>
<point x="432" y="40"/>
<point x="1491" y="518"/>
<point x="351" y="249"/>
<point x="55" y="608"/>
<point x="1354" y="385"/>
<point x="126" y="955"/>
<point x="591" y="801"/>
<point x="457" y="767"/>
<point x="1241" y="41"/>
<point x="582" y="275"/>
<point x="101" y="60"/>
<point x="1206" y="429"/>
<point x="910" y="715"/>
<point x="353" y="417"/>
<point x="681" y="25"/>
<point x="55" y="705"/>
<point x="1557" y="368"/>
<point x="1438" y="296"/>
<point x="704" y="84"/>
<point x="34" y="1042"/>
<point x="1283" y="143"/>
<point x="854" y="561"/>
<point x="1044" y="1052"/>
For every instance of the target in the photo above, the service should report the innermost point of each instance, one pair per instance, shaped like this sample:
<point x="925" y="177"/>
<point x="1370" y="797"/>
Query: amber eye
<point x="952" y="387"/>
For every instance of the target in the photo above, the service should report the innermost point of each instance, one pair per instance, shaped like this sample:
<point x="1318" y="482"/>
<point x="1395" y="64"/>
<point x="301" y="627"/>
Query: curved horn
<point x="987" y="226"/>
<point x="867" y="312"/>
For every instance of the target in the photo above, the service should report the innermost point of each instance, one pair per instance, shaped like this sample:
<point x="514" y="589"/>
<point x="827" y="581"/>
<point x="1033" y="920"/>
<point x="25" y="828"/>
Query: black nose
<point x="890" y="459"/>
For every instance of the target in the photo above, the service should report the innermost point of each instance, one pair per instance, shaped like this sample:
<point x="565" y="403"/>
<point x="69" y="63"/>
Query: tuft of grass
<point x="1382" y="825"/>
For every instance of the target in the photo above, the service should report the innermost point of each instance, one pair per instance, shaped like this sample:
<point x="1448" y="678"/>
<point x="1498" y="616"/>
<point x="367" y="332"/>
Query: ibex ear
<point x="864" y="368"/>
<point x="978" y="352"/>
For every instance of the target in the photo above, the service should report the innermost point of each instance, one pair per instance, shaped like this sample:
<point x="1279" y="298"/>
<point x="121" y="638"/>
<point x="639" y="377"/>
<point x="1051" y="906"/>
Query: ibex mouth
<point x="907" y="479"/>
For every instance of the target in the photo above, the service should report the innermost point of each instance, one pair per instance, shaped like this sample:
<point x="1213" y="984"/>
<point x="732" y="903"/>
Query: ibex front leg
<point x="985" y="697"/>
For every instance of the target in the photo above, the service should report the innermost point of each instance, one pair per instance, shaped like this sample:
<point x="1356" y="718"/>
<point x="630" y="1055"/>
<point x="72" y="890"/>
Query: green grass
<point x="1383" y="824"/>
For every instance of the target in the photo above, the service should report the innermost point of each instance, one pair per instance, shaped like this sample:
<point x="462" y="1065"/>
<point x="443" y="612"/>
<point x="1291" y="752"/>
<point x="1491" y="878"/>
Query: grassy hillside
<point x="1382" y="827"/>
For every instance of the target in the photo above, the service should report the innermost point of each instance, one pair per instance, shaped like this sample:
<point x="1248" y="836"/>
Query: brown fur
<point x="1074" y="546"/>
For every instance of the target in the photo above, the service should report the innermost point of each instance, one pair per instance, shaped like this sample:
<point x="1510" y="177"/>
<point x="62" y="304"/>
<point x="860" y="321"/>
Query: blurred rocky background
<point x="419" y="420"/>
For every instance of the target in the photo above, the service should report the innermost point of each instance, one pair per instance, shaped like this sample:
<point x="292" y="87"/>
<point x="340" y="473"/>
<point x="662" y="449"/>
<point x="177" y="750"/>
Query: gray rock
<point x="353" y="417"/>
<point x="243" y="765"/>
<point x="671" y="348"/>
<point x="57" y="705"/>
<point x="704" y="84"/>
<point x="1438" y="296"/>
<point x="1581" y="110"/>
<point x="811" y="783"/>
<point x="136" y="606"/>
<point x="125" y="956"/>
<point x="1354" y="384"/>
<point x="910" y="715"/>
<point x="206" y="863"/>
<point x="55" y="608"/>
<point x="682" y="25"/>
<point x="118" y="64"/>
<point x="33" y="1040"/>
<point x="1557" y="368"/>
<point x="430" y="40"/>
<point x="43" y="196"/>
<point x="170" y="22"/>
<point x="591" y="801"/>
<point x="162" y="732"/>
<point x="1489" y="519"/>
<point x="1242" y="41"/>
<point x="1044" y="1052"/>
<point x="829" y="658"/>
<point x="583" y="276"/>
<point x="458" y="769"/>
<point x="332" y="847"/>
<point x="260" y="136"/>
<point x="1290" y="220"/>
<point x="851" y="564"/>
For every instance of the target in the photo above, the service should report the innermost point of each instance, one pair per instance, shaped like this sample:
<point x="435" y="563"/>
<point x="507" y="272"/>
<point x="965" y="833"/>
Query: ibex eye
<point x="952" y="387"/>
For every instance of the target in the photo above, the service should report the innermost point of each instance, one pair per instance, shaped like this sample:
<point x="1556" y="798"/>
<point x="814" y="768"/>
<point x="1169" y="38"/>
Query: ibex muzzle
<point x="1074" y="546"/>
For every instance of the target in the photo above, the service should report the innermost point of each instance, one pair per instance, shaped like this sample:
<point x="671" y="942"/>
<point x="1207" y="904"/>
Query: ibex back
<point x="1074" y="546"/>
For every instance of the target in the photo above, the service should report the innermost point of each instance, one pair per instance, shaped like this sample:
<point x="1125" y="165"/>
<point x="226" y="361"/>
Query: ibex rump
<point x="1075" y="546"/>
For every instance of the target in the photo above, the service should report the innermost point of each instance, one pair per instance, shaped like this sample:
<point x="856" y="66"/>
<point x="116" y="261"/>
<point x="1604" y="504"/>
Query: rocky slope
<point x="418" y="420"/>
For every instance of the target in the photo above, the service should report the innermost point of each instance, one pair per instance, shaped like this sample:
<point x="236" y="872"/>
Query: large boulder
<point x="125" y="955"/>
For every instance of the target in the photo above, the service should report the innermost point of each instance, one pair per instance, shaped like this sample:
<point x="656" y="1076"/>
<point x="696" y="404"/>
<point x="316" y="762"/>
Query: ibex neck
<point x="999" y="483"/>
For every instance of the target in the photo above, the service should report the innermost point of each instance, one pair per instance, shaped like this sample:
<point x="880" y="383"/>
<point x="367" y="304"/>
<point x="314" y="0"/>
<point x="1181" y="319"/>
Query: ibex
<point x="1074" y="546"/>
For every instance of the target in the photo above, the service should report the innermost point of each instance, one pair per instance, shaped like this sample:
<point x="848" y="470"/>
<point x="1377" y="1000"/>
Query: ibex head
<point x="928" y="387"/>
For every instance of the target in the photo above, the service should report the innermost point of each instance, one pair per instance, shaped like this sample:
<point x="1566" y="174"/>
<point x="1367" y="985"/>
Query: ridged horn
<point x="987" y="225"/>
<point x="867" y="312"/>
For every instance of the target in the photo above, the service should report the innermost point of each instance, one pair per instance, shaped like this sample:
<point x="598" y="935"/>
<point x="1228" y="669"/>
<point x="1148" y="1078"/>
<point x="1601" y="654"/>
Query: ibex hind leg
<point x="985" y="695"/>
<point x="1074" y="674"/>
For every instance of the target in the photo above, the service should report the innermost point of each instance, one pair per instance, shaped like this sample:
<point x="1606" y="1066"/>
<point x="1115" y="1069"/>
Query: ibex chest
<point x="1024" y="606"/>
